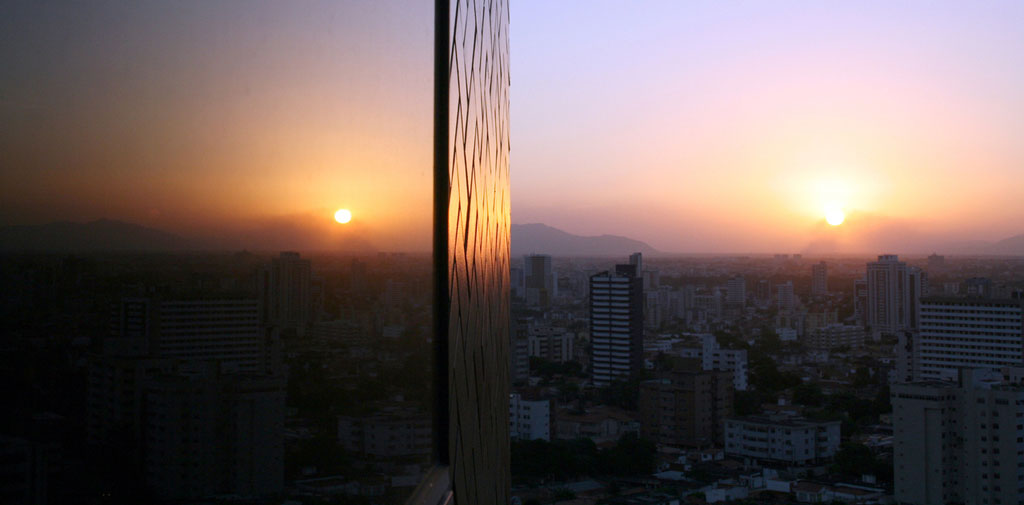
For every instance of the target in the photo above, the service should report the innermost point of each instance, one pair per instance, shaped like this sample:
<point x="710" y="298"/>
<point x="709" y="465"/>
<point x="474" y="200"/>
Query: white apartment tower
<point x="893" y="291"/>
<point x="966" y="333"/>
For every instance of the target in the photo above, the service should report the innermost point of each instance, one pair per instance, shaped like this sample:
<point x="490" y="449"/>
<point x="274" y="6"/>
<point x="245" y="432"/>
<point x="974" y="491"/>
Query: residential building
<point x="835" y="336"/>
<point x="616" y="323"/>
<point x="551" y="343"/>
<point x="785" y="297"/>
<point x="960" y="441"/>
<point x="893" y="294"/>
<point x="686" y="407"/>
<point x="393" y="430"/>
<point x="794" y="441"/>
<point x="713" y="357"/>
<point x="286" y="294"/>
<point x="529" y="419"/>
<point x="968" y="332"/>
<point x="819" y="279"/>
<point x="539" y="280"/>
<point x="208" y="433"/>
<point x="736" y="292"/>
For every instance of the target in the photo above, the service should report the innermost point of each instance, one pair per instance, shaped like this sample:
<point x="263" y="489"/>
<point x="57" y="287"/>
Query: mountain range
<point x="104" y="235"/>
<point x="107" y="235"/>
<point x="543" y="239"/>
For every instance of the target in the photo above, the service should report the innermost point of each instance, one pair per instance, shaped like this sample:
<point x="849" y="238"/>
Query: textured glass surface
<point x="478" y="249"/>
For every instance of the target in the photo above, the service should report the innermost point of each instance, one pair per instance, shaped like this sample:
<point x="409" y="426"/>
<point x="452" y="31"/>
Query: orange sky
<point x="697" y="127"/>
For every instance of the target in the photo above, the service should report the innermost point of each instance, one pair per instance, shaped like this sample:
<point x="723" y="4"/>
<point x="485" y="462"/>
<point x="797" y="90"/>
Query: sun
<point x="343" y="216"/>
<point x="834" y="216"/>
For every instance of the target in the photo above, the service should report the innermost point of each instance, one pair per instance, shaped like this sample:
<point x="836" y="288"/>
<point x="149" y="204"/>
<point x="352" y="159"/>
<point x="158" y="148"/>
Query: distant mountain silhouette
<point x="542" y="239"/>
<point x="1013" y="246"/>
<point x="103" y="235"/>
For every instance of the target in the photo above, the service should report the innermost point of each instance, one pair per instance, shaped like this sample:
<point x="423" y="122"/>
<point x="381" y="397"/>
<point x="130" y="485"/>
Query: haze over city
<point x="695" y="127"/>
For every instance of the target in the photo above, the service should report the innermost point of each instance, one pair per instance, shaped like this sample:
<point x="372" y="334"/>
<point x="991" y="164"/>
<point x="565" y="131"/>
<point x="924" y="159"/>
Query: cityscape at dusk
<point x="384" y="252"/>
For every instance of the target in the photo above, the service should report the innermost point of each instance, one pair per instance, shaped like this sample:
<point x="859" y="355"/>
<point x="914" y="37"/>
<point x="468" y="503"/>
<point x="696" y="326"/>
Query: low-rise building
<point x="393" y="430"/>
<point x="836" y="336"/>
<point x="529" y="419"/>
<point x="786" y="440"/>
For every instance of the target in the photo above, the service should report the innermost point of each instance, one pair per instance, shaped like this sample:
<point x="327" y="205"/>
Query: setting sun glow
<point x="343" y="216"/>
<point x="834" y="216"/>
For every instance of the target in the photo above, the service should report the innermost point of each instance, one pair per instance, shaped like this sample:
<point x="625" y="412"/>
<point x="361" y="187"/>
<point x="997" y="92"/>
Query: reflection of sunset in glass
<point x="343" y="216"/>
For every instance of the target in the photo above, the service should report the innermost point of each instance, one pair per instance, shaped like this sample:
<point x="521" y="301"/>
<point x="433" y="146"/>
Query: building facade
<point x="967" y="332"/>
<point x="686" y="408"/>
<point x="784" y="440"/>
<point x="819" y="279"/>
<point x="529" y="419"/>
<point x="960" y="441"/>
<point x="616" y="324"/>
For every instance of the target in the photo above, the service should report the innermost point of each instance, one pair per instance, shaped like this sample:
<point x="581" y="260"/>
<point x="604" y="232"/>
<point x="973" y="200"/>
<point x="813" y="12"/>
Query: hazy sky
<point x="694" y="126"/>
<point x="246" y="119"/>
<point x="729" y="126"/>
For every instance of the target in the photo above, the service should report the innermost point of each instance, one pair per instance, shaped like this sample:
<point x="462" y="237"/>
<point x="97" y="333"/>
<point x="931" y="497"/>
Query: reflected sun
<point x="343" y="216"/>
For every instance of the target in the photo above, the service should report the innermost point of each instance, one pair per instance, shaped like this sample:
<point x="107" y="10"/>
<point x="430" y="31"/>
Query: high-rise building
<point x="207" y="433"/>
<point x="960" y="441"/>
<point x="819" y="279"/>
<point x="894" y="291"/>
<point x="686" y="407"/>
<point x="226" y="331"/>
<point x="519" y="351"/>
<point x="539" y="279"/>
<point x="736" y="292"/>
<point x="616" y="323"/>
<point x="967" y="332"/>
<point x="286" y="295"/>
<point x="785" y="297"/>
<point x="860" y="301"/>
<point x="518" y="280"/>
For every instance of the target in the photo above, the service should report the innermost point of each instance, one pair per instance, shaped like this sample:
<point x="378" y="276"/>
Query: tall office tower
<point x="959" y="442"/>
<point x="893" y="294"/>
<point x="967" y="332"/>
<point x="616" y="324"/>
<point x="286" y="295"/>
<point x="736" y="292"/>
<point x="819" y="279"/>
<point x="786" y="299"/>
<point x="686" y="408"/>
<point x="538" y="277"/>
